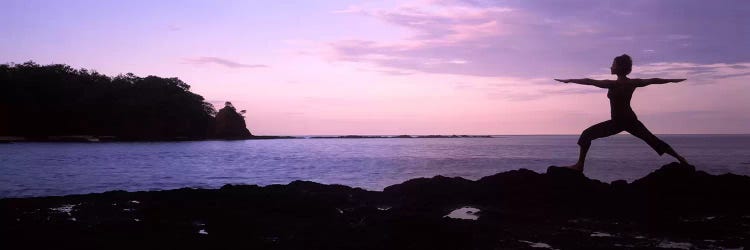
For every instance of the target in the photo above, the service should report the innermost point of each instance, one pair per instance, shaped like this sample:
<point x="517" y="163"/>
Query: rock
<point x="619" y="183"/>
<point x="561" y="208"/>
<point x="230" y="124"/>
<point x="430" y="195"/>
<point x="676" y="189"/>
<point x="563" y="172"/>
<point x="670" y="173"/>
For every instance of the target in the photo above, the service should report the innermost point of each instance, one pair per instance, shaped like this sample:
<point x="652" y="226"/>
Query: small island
<point x="59" y="103"/>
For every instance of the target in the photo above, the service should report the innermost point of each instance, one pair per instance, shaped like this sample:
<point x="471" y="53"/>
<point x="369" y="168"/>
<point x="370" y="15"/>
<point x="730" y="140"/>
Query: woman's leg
<point x="639" y="130"/>
<point x="602" y="129"/>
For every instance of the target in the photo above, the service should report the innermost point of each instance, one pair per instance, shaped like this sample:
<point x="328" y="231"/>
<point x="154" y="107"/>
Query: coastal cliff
<point x="673" y="207"/>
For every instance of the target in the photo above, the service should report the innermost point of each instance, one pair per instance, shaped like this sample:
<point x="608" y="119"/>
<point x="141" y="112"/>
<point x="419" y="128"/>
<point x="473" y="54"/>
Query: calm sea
<point x="40" y="169"/>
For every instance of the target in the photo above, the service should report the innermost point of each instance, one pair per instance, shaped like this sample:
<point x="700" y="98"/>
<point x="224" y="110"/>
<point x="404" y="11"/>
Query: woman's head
<point x="622" y="65"/>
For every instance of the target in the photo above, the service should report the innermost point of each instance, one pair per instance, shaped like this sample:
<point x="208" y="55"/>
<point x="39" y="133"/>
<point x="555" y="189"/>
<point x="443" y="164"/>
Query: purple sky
<point x="410" y="67"/>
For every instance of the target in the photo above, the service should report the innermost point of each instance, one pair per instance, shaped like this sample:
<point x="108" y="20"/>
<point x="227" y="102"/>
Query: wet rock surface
<point x="675" y="207"/>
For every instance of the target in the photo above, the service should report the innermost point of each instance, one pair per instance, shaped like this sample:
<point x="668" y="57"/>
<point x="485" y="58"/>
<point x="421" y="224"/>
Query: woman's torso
<point x="619" y="102"/>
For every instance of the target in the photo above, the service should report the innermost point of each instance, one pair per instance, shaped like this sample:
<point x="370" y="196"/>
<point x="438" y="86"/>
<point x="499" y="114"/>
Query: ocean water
<point x="41" y="169"/>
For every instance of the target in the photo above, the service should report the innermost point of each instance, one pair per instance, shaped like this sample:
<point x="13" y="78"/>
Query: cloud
<point x="433" y="28"/>
<point x="541" y="92"/>
<point x="733" y="75"/>
<point x="390" y="72"/>
<point x="694" y="72"/>
<point x="349" y="10"/>
<point x="220" y="61"/>
<point x="173" y="27"/>
<point x="549" y="38"/>
<point x="524" y="89"/>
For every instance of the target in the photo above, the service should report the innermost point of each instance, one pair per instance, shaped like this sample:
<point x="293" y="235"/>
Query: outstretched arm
<point x="646" y="82"/>
<point x="587" y="81"/>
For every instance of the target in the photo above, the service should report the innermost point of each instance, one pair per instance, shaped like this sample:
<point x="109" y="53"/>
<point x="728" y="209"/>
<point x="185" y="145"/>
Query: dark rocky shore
<point x="673" y="207"/>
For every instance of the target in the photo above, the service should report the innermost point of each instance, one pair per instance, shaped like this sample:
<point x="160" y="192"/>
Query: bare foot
<point x="577" y="167"/>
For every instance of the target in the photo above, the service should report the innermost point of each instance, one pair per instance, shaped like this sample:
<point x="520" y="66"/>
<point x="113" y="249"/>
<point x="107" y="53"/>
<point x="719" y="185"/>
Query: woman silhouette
<point x="620" y="92"/>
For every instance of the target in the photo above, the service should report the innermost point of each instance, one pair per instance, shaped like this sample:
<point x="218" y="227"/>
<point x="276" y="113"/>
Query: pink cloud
<point x="445" y="36"/>
<point x="695" y="72"/>
<point x="221" y="61"/>
<point x="550" y="38"/>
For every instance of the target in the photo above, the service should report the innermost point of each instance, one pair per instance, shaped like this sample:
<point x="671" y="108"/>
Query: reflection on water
<point x="34" y="169"/>
<point x="464" y="213"/>
<point x="537" y="244"/>
<point x="600" y="234"/>
<point x="675" y="245"/>
<point x="65" y="208"/>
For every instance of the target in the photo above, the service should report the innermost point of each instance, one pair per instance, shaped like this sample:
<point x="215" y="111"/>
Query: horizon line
<point x="577" y="134"/>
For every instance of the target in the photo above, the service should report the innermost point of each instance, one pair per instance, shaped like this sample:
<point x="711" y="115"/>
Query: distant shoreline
<point x="94" y="139"/>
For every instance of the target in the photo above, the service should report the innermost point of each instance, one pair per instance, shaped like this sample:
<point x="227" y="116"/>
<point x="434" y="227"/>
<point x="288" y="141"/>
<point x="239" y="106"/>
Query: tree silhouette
<point x="38" y="101"/>
<point x="230" y="124"/>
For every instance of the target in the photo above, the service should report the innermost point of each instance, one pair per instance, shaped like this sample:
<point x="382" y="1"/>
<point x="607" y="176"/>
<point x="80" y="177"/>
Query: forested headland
<point x="38" y="102"/>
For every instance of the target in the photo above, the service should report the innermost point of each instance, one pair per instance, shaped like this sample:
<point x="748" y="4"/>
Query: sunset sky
<point x="410" y="67"/>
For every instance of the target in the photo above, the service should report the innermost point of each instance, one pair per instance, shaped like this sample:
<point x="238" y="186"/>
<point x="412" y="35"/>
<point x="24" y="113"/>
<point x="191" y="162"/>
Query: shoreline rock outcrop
<point x="673" y="207"/>
<point x="230" y="124"/>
